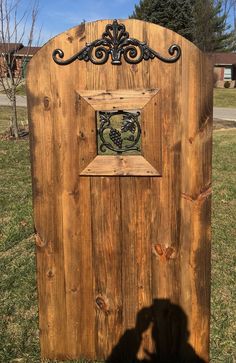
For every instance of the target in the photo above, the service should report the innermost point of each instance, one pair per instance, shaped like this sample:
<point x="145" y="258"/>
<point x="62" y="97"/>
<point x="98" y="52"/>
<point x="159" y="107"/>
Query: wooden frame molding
<point x="117" y="99"/>
<point x="146" y="100"/>
<point x="120" y="165"/>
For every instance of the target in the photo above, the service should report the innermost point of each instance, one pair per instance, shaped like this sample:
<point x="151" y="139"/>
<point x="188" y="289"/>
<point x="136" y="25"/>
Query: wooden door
<point x="121" y="166"/>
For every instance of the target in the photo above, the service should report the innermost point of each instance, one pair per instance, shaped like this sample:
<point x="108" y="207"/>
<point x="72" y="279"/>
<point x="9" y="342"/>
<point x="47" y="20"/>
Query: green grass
<point x="224" y="97"/>
<point x="18" y="307"/>
<point x="19" y="341"/>
<point x="223" y="249"/>
<point x="5" y="112"/>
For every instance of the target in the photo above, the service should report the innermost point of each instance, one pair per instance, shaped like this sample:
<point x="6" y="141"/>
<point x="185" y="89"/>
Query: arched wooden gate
<point x="121" y="128"/>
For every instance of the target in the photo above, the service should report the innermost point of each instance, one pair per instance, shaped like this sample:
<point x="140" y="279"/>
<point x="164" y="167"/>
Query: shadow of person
<point x="169" y="334"/>
<point x="128" y="346"/>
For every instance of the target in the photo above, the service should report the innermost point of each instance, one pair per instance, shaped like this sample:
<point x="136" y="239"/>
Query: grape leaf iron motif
<point x="115" y="42"/>
<point x="119" y="138"/>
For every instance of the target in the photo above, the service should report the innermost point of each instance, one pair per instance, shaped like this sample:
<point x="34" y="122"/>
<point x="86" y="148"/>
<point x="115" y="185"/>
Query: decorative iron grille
<point x="116" y="42"/>
<point x="119" y="132"/>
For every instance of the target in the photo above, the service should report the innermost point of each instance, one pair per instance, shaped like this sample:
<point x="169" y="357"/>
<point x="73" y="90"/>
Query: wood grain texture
<point x="120" y="165"/>
<point x="118" y="99"/>
<point x="113" y="248"/>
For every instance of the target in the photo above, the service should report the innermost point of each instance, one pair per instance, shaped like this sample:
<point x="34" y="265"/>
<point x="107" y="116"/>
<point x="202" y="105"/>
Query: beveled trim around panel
<point x="126" y="165"/>
<point x="120" y="165"/>
<point x="118" y="99"/>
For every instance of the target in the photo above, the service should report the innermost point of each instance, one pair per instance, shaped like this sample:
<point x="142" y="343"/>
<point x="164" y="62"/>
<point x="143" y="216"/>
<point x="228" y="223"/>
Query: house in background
<point x="18" y="55"/>
<point x="22" y="57"/>
<point x="6" y="51"/>
<point x="224" y="69"/>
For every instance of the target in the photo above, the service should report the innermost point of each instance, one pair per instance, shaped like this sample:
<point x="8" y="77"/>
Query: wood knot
<point x="50" y="274"/>
<point x="102" y="304"/>
<point x="157" y="249"/>
<point x="46" y="103"/>
<point x="74" y="290"/>
<point x="70" y="39"/>
<point x="169" y="253"/>
<point x="201" y="196"/>
<point x="82" y="135"/>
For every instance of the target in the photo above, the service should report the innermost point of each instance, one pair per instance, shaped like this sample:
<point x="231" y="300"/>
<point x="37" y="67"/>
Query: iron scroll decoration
<point x="115" y="42"/>
<point x="123" y="139"/>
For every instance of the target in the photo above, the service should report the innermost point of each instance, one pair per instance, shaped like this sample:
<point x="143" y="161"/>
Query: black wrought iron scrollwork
<point x="121" y="137"/>
<point x="115" y="42"/>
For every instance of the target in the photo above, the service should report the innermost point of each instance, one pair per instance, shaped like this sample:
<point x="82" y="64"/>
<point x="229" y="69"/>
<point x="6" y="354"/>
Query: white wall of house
<point x="228" y="73"/>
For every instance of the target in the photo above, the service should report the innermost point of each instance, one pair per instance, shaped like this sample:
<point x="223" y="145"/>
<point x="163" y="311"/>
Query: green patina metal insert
<point x="119" y="132"/>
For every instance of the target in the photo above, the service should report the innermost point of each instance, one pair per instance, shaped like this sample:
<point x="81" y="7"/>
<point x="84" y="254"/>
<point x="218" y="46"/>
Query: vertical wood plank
<point x="167" y="204"/>
<point x="105" y="216"/>
<point x="77" y="147"/>
<point x="107" y="262"/>
<point x="48" y="221"/>
<point x="196" y="195"/>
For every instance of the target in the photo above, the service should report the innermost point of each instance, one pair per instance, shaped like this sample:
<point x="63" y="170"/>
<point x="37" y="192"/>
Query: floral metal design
<point x="120" y="136"/>
<point x="115" y="42"/>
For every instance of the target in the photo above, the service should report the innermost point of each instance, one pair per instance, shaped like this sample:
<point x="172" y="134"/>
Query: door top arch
<point x="127" y="40"/>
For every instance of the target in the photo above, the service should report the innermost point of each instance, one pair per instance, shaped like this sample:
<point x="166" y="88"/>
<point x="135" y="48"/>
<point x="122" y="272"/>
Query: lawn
<point x="19" y="340"/>
<point x="223" y="248"/>
<point x="225" y="97"/>
<point x="5" y="117"/>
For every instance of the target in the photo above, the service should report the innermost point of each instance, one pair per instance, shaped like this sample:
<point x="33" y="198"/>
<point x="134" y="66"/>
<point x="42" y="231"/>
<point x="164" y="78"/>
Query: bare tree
<point x="235" y="16"/>
<point x="17" y="25"/>
<point x="227" y="6"/>
<point x="229" y="9"/>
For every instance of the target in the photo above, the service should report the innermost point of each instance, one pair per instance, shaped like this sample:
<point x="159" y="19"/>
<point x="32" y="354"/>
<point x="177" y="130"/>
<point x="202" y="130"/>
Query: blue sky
<point x="56" y="16"/>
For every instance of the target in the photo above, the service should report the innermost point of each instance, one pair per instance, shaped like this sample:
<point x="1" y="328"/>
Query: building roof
<point x="10" y="47"/>
<point x="224" y="58"/>
<point x="18" y="49"/>
<point x="29" y="51"/>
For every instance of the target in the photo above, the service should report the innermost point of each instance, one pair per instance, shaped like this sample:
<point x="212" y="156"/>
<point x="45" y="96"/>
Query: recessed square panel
<point x="119" y="132"/>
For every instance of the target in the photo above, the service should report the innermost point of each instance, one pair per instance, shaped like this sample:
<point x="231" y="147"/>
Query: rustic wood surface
<point x="120" y="165"/>
<point x="109" y="246"/>
<point x="118" y="99"/>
